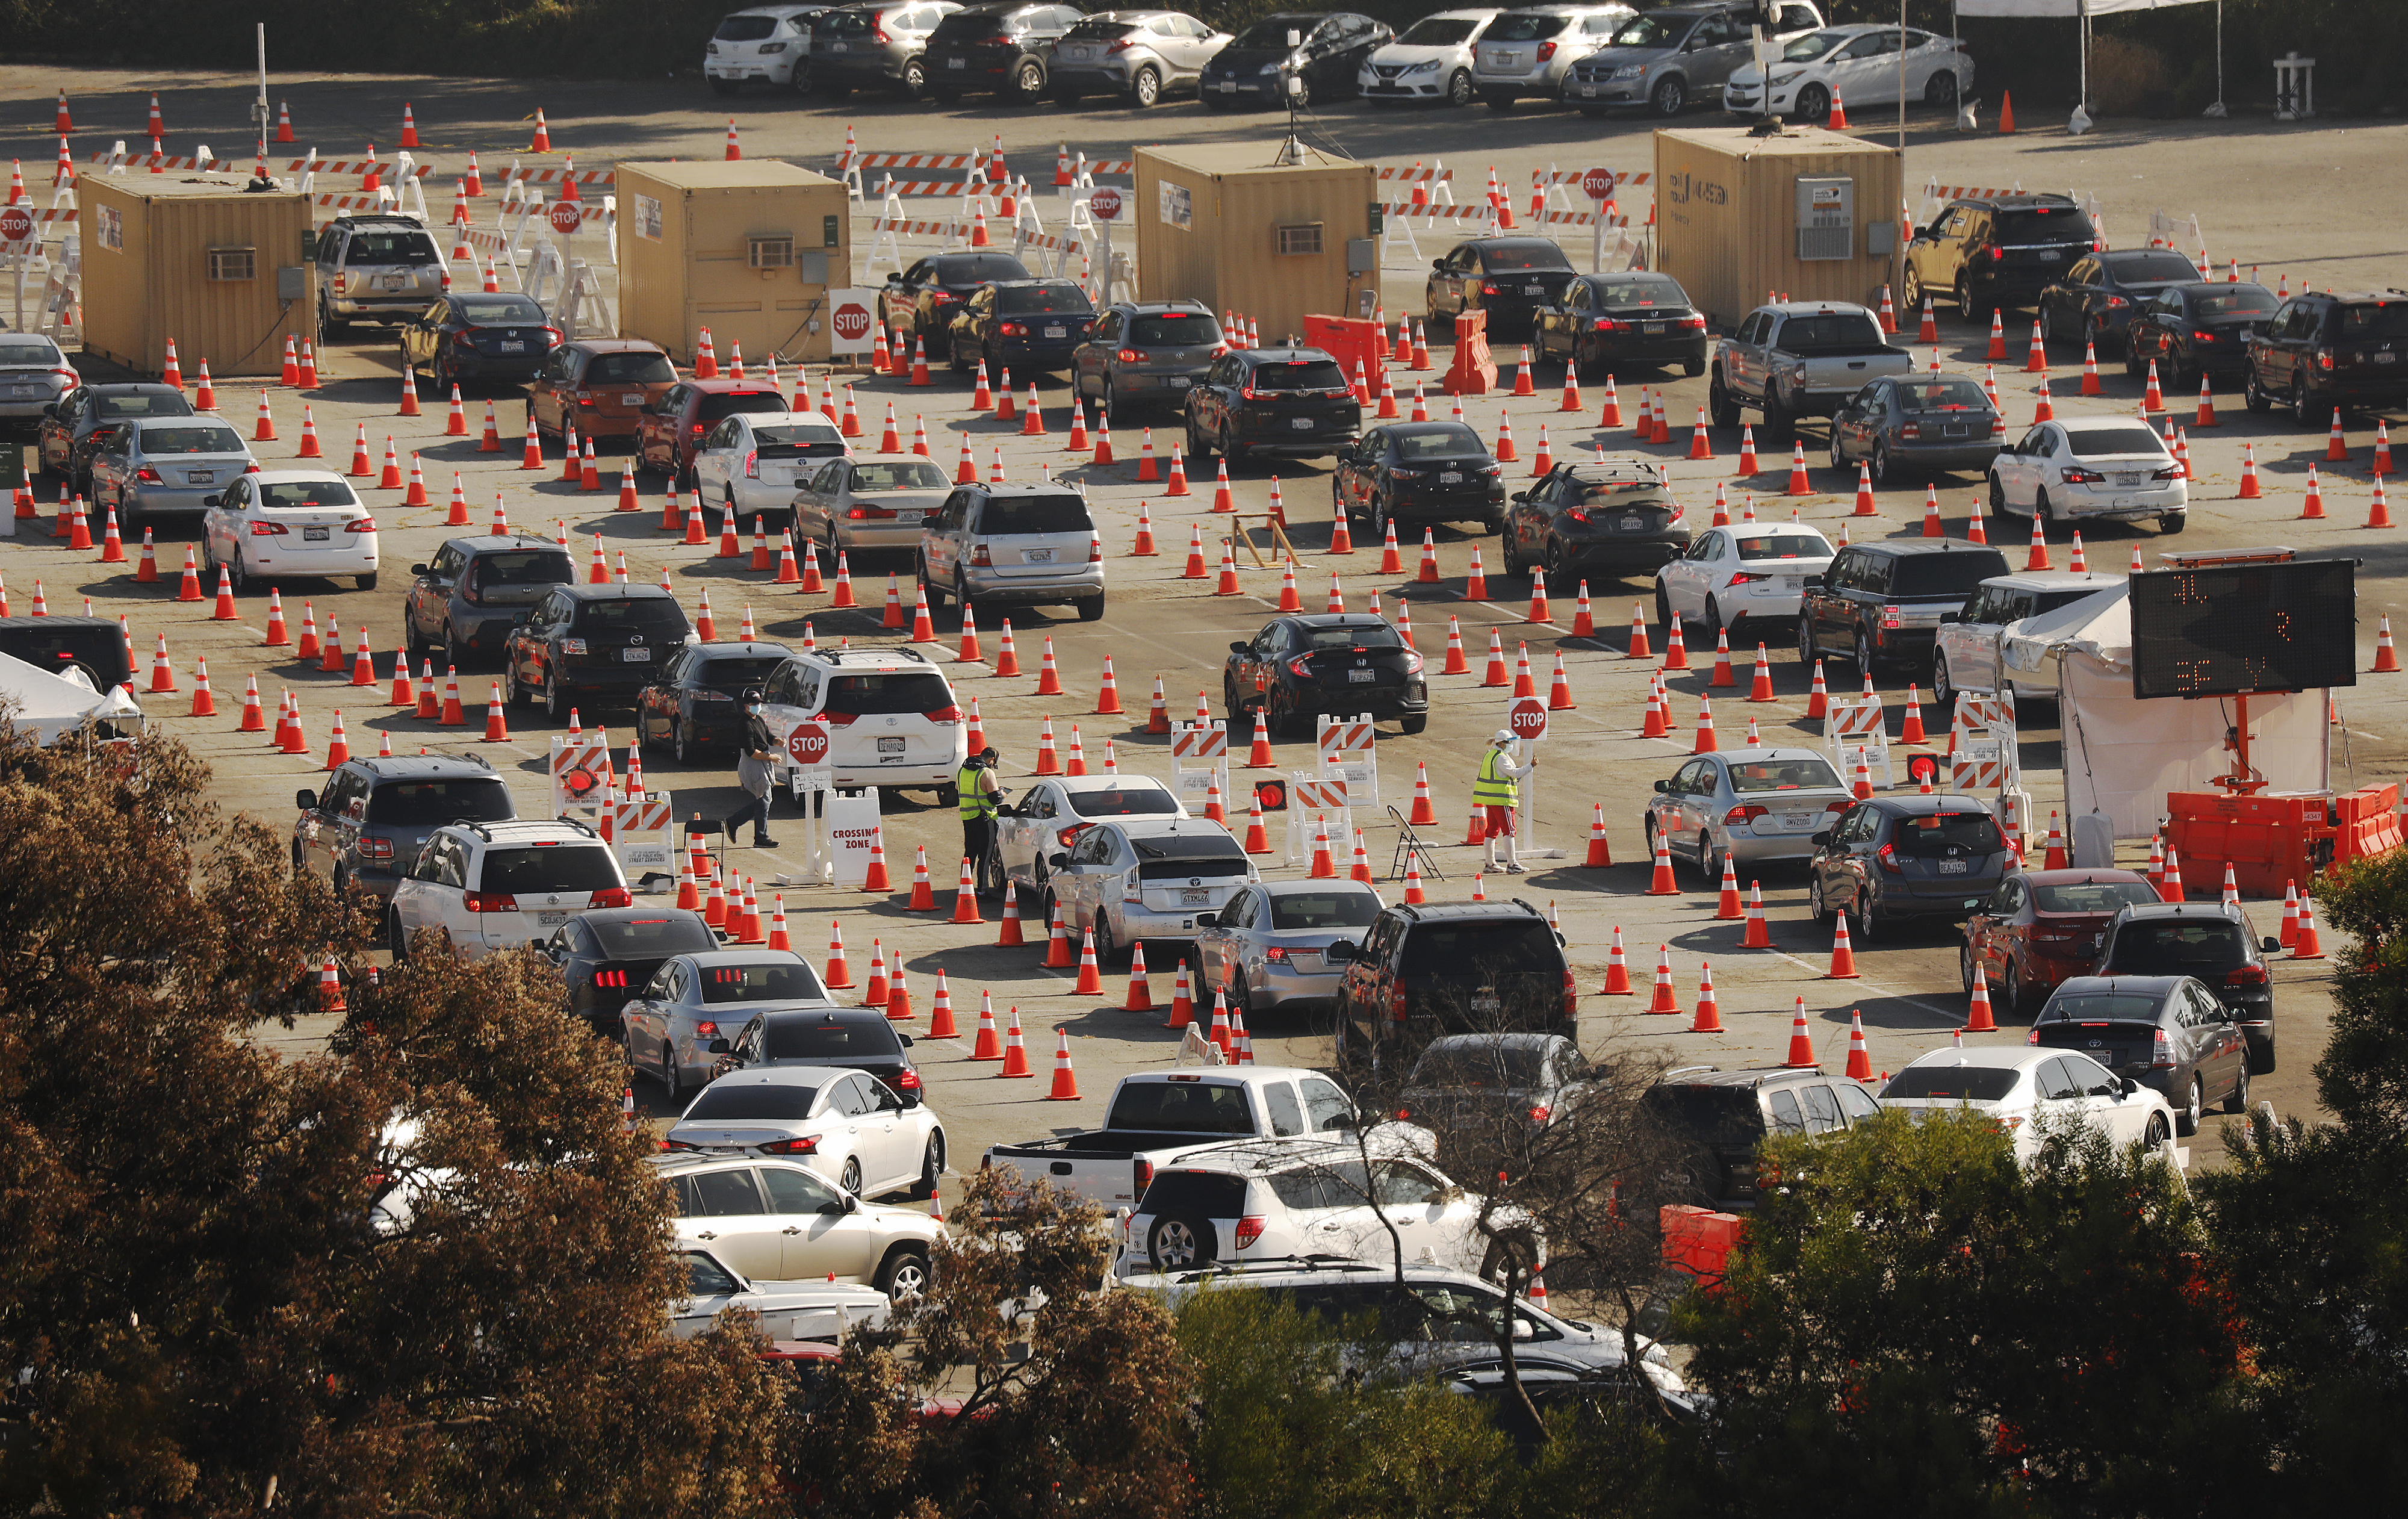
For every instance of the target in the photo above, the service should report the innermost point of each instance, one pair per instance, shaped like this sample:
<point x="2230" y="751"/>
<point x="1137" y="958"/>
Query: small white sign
<point x="1175" y="205"/>
<point x="109" y="227"/>
<point x="648" y="217"/>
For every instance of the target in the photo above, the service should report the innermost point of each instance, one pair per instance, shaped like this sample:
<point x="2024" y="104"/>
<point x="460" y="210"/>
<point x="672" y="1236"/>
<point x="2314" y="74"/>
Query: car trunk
<point x="189" y="471"/>
<point x="1621" y="519"/>
<point x="1186" y="883"/>
<point x="1032" y="538"/>
<point x="616" y="635"/>
<point x="1788" y="813"/>
<point x="1446" y="476"/>
<point x="543" y="883"/>
<point x="2069" y="936"/>
<point x="2042" y="240"/>
<point x="1923" y="586"/>
<point x="1301" y="396"/>
<point x="2126" y="1048"/>
<point x="1485" y="976"/>
<point x="856" y="710"/>
<point x="1349" y="668"/>
<point x="1524" y="287"/>
<point x="1941" y="853"/>
<point x="310" y="529"/>
<point x="1171" y="338"/>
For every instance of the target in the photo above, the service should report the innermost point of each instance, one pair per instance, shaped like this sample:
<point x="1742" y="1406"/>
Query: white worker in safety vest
<point x="1496" y="794"/>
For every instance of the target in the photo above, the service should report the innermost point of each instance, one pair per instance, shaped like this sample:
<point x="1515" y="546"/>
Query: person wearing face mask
<point x="978" y="793"/>
<point x="754" y="760"/>
<point x="1495" y="792"/>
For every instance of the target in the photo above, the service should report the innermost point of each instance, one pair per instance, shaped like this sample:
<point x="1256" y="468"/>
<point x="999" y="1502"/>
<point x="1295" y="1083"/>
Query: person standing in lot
<point x="753" y="773"/>
<point x="978" y="797"/>
<point x="1497" y="793"/>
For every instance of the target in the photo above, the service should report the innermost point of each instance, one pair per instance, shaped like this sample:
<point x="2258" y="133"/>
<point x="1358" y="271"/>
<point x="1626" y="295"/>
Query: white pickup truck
<point x="1796" y="359"/>
<point x="1157" y="1115"/>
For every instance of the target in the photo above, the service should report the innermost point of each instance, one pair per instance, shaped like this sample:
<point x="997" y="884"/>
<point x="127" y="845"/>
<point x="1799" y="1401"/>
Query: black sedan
<point x="2099" y="294"/>
<point x="1614" y="322"/>
<point x="1420" y="472"/>
<point x="2167" y="1032"/>
<point x="854" y="1039"/>
<point x="918" y="304"/>
<point x="72" y="426"/>
<point x="1342" y="662"/>
<point x="1289" y="402"/>
<point x="1029" y="326"/>
<point x="1302" y="56"/>
<point x="1893" y="859"/>
<point x="696" y="703"/>
<point x="478" y="337"/>
<point x="2201" y="328"/>
<point x="1916" y="423"/>
<point x="1508" y="277"/>
<point x="1606" y="517"/>
<point x="606" y="956"/>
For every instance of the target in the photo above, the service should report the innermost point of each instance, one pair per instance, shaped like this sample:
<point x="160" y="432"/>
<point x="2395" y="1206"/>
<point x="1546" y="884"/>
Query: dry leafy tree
<point x="422" y="1272"/>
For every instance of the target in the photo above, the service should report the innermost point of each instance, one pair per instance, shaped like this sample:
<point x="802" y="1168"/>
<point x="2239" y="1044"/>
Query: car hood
<point x="1621" y="57"/>
<point x="1396" y="53"/>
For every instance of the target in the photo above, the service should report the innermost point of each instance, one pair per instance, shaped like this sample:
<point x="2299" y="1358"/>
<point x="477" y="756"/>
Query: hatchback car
<point x="890" y="717"/>
<point x="1965" y="650"/>
<point x="1054" y="811"/>
<point x="1448" y="968"/>
<point x="160" y="467"/>
<point x="468" y="337"/>
<point x="2038" y="928"/>
<point x="489" y="886"/>
<point x="1609" y="517"/>
<point x="1882" y="601"/>
<point x="1861" y="65"/>
<point x="2097" y="296"/>
<point x="1034" y="326"/>
<point x="2024" y="1090"/>
<point x="1674" y="57"/>
<point x="602" y="386"/>
<point x="2209" y="942"/>
<point x="1284" y="402"/>
<point x="34" y="374"/>
<point x="2169" y="1033"/>
<point x="1302" y="665"/>
<point x="364" y="831"/>
<point x="776" y="1220"/>
<point x="1415" y="472"/>
<point x="673" y="427"/>
<point x="1895" y="858"/>
<point x="1719" y="1118"/>
<point x="694" y="1001"/>
<point x="1145" y="878"/>
<point x="694" y="702"/>
<point x="1530" y="50"/>
<point x="1509" y="277"/>
<point x="1299" y="56"/>
<point x="594" y="642"/>
<point x="1140" y="352"/>
<point x="767" y="44"/>
<point x="918" y="304"/>
<point x="1013" y="545"/>
<point x="1298" y="1198"/>
<point x="1139" y="56"/>
<point x="1916" y="424"/>
<point x="1263" y="947"/>
<point x="1430" y="62"/>
<point x="2195" y="332"/>
<point x="1614" y="323"/>
<point x="2324" y="349"/>
<point x="379" y="266"/>
<point x="1730" y="577"/>
<point x="286" y="524"/>
<point x="606" y="957"/>
<point x="856" y="1038"/>
<point x="875" y="501"/>
<point x="2078" y="469"/>
<point x="875" y="45"/>
<point x="999" y="47"/>
<point x="1753" y="807"/>
<point x="753" y="462"/>
<point x="847" y="1127"/>
<point x="463" y="604"/>
<point x="64" y="438"/>
<point x="1488" y="1097"/>
<point x="1986" y="251"/>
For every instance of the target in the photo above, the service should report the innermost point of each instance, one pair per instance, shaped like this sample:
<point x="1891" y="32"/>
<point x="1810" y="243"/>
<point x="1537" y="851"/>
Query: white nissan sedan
<point x="2022" y="1086"/>
<point x="2079" y="469"/>
<point x="287" y="524"/>
<point x="847" y="1126"/>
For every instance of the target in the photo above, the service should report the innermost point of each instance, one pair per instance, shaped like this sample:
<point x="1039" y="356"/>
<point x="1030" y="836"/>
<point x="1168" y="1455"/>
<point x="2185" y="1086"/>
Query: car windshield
<point x="836" y="1040"/>
<point x="1181" y="1106"/>
<point x="1271" y="32"/>
<point x="1440" y="31"/>
<point x="630" y="369"/>
<point x="431" y="804"/>
<point x="1526" y="28"/>
<point x="1119" y="802"/>
<point x="22" y="352"/>
<point x="1931" y="835"/>
<point x="2176" y="947"/>
<point x="646" y="612"/>
<point x="2229" y="300"/>
<point x="2091" y="895"/>
<point x="1062" y="298"/>
<point x="979" y="269"/>
<point x="775" y="981"/>
<point x="548" y="867"/>
<point x="1827" y="330"/>
<point x="1529" y="255"/>
<point x="2376" y="318"/>
<point x="1800" y="774"/>
<point x="1641" y="290"/>
<point x="391" y="248"/>
<point x="2101" y="1006"/>
<point x="2123" y="439"/>
<point x="1813" y="45"/>
<point x="1932" y="576"/>
<point x="141" y="405"/>
<point x="1003" y="515"/>
<point x="301" y="494"/>
<point x="896" y="475"/>
<point x="1093" y="30"/>
<point x="1958" y="1084"/>
<point x="877" y="695"/>
<point x="742" y="28"/>
<point x="1940" y="396"/>
<point x="1364" y="636"/>
<point x="2044" y="224"/>
<point x="1299" y="375"/>
<point x="735" y="672"/>
<point x="1784" y="546"/>
<point x="706" y="1278"/>
<point x="536" y="566"/>
<point x="1176" y="329"/>
<point x="787" y="440"/>
<point x="1446" y="442"/>
<point x="1479" y="1063"/>
<point x="652" y="938"/>
<point x="209" y="440"/>
<point x="721" y="1102"/>
<point x="2147" y="268"/>
<point x="1652" y="32"/>
<point x="498" y="310"/>
<point x="1324" y="909"/>
<point x="1479" y="949"/>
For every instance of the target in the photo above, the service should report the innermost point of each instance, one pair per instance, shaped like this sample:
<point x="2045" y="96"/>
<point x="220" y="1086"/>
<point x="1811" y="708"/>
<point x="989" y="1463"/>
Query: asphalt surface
<point x="2242" y="178"/>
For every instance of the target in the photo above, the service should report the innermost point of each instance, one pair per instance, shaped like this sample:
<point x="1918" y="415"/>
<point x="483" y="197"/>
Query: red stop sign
<point x="16" y="225"/>
<point x="1598" y="184"/>
<point x="809" y="743"/>
<point x="566" y="216"/>
<point x="1104" y="203"/>
<point x="852" y="320"/>
<point x="1528" y="718"/>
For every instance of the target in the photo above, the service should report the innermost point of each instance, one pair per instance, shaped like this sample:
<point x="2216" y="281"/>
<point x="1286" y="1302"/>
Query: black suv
<point x="364" y="829"/>
<point x="593" y="640"/>
<point x="465" y="602"/>
<point x="1725" y="1114"/>
<point x="1289" y="402"/>
<point x="2319" y="351"/>
<point x="1995" y="251"/>
<point x="1880" y="602"/>
<point x="999" y="47"/>
<point x="607" y="956"/>
<point x="1907" y="856"/>
<point x="1603" y="517"/>
<point x="1454" y="967"/>
<point x="92" y="647"/>
<point x="2209" y="942"/>
<point x="1298" y="668"/>
<point x="920" y="304"/>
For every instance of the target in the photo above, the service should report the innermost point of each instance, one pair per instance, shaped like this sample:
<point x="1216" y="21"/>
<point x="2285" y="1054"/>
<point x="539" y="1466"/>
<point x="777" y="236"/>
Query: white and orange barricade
<point x="1851" y="724"/>
<point x="1346" y="755"/>
<point x="1199" y="759"/>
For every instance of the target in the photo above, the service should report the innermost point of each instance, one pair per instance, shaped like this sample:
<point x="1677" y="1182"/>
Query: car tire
<point x="2049" y="335"/>
<point x="1382" y="515"/>
<point x="682" y="744"/>
<point x="1556" y="576"/>
<point x="1965" y="968"/>
<point x="2254" y="394"/>
<point x="1941" y="91"/>
<point x="368" y="581"/>
<point x="1459" y="91"/>
<point x="1835" y="455"/>
<point x="1413" y="723"/>
<point x="932" y="1167"/>
<point x="1720" y="408"/>
<point x="1943" y="689"/>
<point x="396" y="938"/>
<point x="1506" y="1254"/>
<point x="1145" y="90"/>
<point x="1814" y="104"/>
<point x="1511" y="557"/>
<point x="1998" y="496"/>
<point x="904" y="1274"/>
<point x="1179" y="1241"/>
<point x="670" y="1078"/>
<point x="1709" y="861"/>
<point x="1091" y="610"/>
<point x="1865" y="925"/>
<point x="555" y="706"/>
<point x="2311" y="415"/>
<point x="1863" y="653"/>
<point x="2173" y="521"/>
<point x="1196" y="447"/>
<point x="1663" y="611"/>
<point x="1670" y="94"/>
<point x="2011" y="991"/>
<point x="2041" y="511"/>
<point x="1231" y="449"/>
<point x="849" y="1178"/>
<point x="1029" y="81"/>
<point x="1884" y="472"/>
<point x="1240" y="993"/>
<point x="1780" y="427"/>
<point x="1807" y="653"/>
<point x="914" y="83"/>
<point x="1968" y="308"/>
<point x="1914" y="292"/>
<point x="1817" y="910"/>
<point x="2187" y="1121"/>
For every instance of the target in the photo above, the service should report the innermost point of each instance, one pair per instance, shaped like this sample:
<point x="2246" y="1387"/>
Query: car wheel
<point x="1663" y="611"/>
<point x="2237" y="1102"/>
<point x="1865" y="923"/>
<point x="1196" y="447"/>
<point x="1998" y="496"/>
<point x="904" y="1274"/>
<point x="1104" y="399"/>
<point x="2040" y="512"/>
<point x="1179" y="1241"/>
<point x="1557" y="577"/>
<point x="1231" y="449"/>
<point x="2154" y="1134"/>
<point x="1509" y="1255"/>
<point x="2011" y="990"/>
<point x="681" y="743"/>
<point x="1145" y="89"/>
<point x="916" y="80"/>
<point x="1512" y="557"/>
<point x="1028" y="80"/>
<point x="1709" y="861"/>
<point x="368" y="581"/>
<point x="396" y="938"/>
<point x="1965" y="968"/>
<point x="2254" y="394"/>
<point x="671" y="1076"/>
<point x="1881" y="465"/>
<point x="1813" y="103"/>
<point x="1943" y="691"/>
<point x="932" y="1167"/>
<point x="1415" y="724"/>
<point x="1382" y="516"/>
<point x="849" y="1178"/>
<point x="1914" y="292"/>
<point x="553" y="706"/>
<point x="1239" y="993"/>
<point x="1668" y="96"/>
<point x="1720" y="408"/>
<point x="1458" y="88"/>
<point x="1806" y="655"/>
<point x="1864" y="656"/>
<point x="2187" y="1121"/>
<point x="2311" y="415"/>
<point x="238" y="574"/>
<point x="1817" y="907"/>
<point x="1968" y="308"/>
<point x="1837" y="456"/>
<point x="1940" y="89"/>
<point x="2173" y="521"/>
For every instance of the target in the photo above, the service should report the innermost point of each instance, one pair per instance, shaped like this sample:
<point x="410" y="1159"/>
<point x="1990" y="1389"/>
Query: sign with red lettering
<point x="809" y="741"/>
<point x="1105" y="203"/>
<point x="1527" y="717"/>
<point x="566" y="216"/>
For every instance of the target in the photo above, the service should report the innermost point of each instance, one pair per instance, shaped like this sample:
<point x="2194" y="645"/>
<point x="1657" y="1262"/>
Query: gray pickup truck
<point x="1798" y="359"/>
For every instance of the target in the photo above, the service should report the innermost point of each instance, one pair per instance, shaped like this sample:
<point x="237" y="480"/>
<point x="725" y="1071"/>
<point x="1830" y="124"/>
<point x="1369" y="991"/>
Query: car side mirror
<point x="1207" y="920"/>
<point x="419" y="569"/>
<point x="1822" y="835"/>
<point x="1813" y="582"/>
<point x="896" y="279"/>
<point x="718" y="1047"/>
<point x="1057" y="861"/>
<point x="1238" y="647"/>
<point x="2270" y="946"/>
<point x="1519" y="496"/>
<point x="210" y="501"/>
<point x="50" y="410"/>
<point x="852" y="1203"/>
<point x="1952" y="617"/>
<point x="2131" y="1086"/>
<point x="1438" y="266"/>
<point x="305" y="799"/>
<point x="1340" y="950"/>
<point x="1662" y="787"/>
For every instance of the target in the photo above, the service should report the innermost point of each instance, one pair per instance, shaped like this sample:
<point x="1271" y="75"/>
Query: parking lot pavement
<point x="1161" y="624"/>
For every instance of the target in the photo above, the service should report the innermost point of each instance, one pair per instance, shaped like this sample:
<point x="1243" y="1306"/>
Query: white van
<point x="888" y="717"/>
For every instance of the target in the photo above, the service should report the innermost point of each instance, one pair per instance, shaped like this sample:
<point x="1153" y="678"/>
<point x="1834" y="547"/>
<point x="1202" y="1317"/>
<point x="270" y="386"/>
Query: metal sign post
<point x="1526" y="717"/>
<point x="1598" y="184"/>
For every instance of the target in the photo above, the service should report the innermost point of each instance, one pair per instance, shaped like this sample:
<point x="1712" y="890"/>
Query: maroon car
<point x="672" y="428"/>
<point x="2037" y="927"/>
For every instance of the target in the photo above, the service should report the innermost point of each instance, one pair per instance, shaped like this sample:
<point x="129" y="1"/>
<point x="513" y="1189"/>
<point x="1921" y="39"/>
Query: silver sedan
<point x="694" y="1002"/>
<point x="869" y="503"/>
<point x="1756" y="806"/>
<point x="1264" y="947"/>
<point x="1923" y="424"/>
<point x="152" y="467"/>
<point x="1045" y="820"/>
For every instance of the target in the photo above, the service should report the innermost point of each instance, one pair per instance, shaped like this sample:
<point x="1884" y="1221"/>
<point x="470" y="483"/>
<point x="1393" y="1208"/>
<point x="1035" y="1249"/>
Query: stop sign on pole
<point x="852" y="320"/>
<point x="1527" y="716"/>
<point x="1105" y="203"/>
<point x="809" y="743"/>
<point x="566" y="216"/>
<point x="16" y="225"/>
<point x="1598" y="184"/>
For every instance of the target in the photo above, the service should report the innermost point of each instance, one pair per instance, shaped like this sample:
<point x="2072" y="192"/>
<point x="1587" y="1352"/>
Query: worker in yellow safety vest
<point x="976" y="796"/>
<point x="1496" y="794"/>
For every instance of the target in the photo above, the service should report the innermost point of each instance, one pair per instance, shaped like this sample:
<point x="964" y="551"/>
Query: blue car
<point x="1023" y="324"/>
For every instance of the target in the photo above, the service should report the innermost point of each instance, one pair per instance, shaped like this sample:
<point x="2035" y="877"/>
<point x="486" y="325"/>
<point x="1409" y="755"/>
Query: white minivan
<point x="885" y="717"/>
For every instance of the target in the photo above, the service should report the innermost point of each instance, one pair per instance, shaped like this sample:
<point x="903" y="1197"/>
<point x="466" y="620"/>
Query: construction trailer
<point x="749" y="250"/>
<point x="1234" y="228"/>
<point x="1806" y="214"/>
<point x="194" y="258"/>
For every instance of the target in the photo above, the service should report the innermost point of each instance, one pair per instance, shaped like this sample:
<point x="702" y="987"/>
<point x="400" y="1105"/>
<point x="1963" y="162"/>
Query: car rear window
<point x="1176" y="329"/>
<point x="2091" y="895"/>
<point x="141" y="405"/>
<point x="744" y="28"/>
<point x="1827" y="330"/>
<point x="777" y="981"/>
<point x="391" y="248"/>
<point x="1177" y="1107"/>
<point x="1204" y="1194"/>
<point x="2175" y="947"/>
<point x="2145" y="268"/>
<point x="838" y="1039"/>
<point x="1941" y="396"/>
<point x="430" y="804"/>
<point x="1525" y="28"/>
<point x="846" y="23"/>
<point x="1783" y="546"/>
<point x="791" y="439"/>
<point x="1721" y="1116"/>
<point x="1009" y="514"/>
<point x="1479" y="1063"/>
<point x="736" y="674"/>
<point x="1092" y="30"/>
<point x="2132" y="438"/>
<point x="1271" y="32"/>
<point x="2044" y="224"/>
<point x="979" y="269"/>
<point x="21" y="352"/>
<point x="877" y="695"/>
<point x="1958" y="1084"/>
<point x="1324" y="909"/>
<point x="496" y="310"/>
<point x="1479" y="948"/>
<point x="1524" y="256"/>
<point x="630" y="369"/>
<point x="897" y="475"/>
<point x="647" y="613"/>
<point x="2230" y="300"/>
<point x="1020" y="300"/>
<point x="1382" y="637"/>
<point x="1644" y="290"/>
<point x="1934" y="834"/>
<point x="2101" y="1006"/>
<point x="210" y="439"/>
<point x="1440" y="443"/>
<point x="712" y="404"/>
<point x="724" y="1102"/>
<point x="1781" y="774"/>
<point x="652" y="938"/>
<point x="962" y="24"/>
<point x="548" y="868"/>
<point x="1931" y="576"/>
<point x="535" y="567"/>
<point x="1124" y="802"/>
<point x="302" y="494"/>
<point x="2374" y="319"/>
<point x="1299" y="375"/>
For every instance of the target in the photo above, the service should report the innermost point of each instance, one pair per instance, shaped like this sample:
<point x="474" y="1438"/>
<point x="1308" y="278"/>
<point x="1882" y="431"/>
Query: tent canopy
<point x="50" y="705"/>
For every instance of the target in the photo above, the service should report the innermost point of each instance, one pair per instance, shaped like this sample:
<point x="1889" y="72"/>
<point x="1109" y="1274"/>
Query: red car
<point x="2037" y="927"/>
<point x="673" y="426"/>
<point x="604" y="385"/>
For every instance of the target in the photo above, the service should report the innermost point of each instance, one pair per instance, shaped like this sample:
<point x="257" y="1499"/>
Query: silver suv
<point x="1141" y="54"/>
<point x="1016" y="545"/>
<point x="1530" y="52"/>
<point x="493" y="886"/>
<point x="379" y="267"/>
<point x="875" y="44"/>
<point x="1145" y="350"/>
<point x="367" y="827"/>
<point x="1671" y="59"/>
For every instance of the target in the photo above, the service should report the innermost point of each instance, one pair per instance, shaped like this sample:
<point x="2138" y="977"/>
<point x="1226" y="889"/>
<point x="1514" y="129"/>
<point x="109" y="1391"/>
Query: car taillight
<point x="148" y="476"/>
<point x="1695" y="323"/>
<point x="1748" y="812"/>
<point x="1142" y="1175"/>
<point x="343" y="283"/>
<point x="1122" y="46"/>
<point x="2324" y="358"/>
<point x="1748" y="577"/>
<point x="1997" y="426"/>
<point x="1997" y="254"/>
<point x="679" y="1145"/>
<point x="360" y="524"/>
<point x="1911" y="432"/>
<point x="908" y="1081"/>
<point x="1571" y="995"/>
<point x="1893" y="617"/>
<point x="2031" y="1036"/>
<point x="2162" y="1058"/>
<point x="1248" y="393"/>
<point x="1250" y="1230"/>
<point x="943" y="714"/>
<point x="552" y="333"/>
<point x="2199" y="335"/>
<point x="696" y="429"/>
<point x="1302" y="666"/>
<point x="613" y="897"/>
<point x="261" y="530"/>
<point x="705" y="1030"/>
<point x="1412" y="662"/>
<point x="611" y="977"/>
<point x="868" y="513"/>
<point x="572" y="646"/>
<point x="980" y="558"/>
<point x="1886" y="857"/>
<point x="753" y="464"/>
<point x="1540" y="1113"/>
<point x="1277" y="953"/>
<point x="2245" y="976"/>
<point x="1547" y="50"/>
<point x="1013" y="329"/>
<point x="1069" y="834"/>
<point x="466" y="338"/>
<point x="840" y="720"/>
<point x="1609" y="325"/>
<point x="376" y="849"/>
<point x="1492" y="289"/>
<point x="1129" y="356"/>
<point x="1578" y="514"/>
<point x="810" y="1146"/>
<point x="1095" y="549"/>
<point x="1396" y="999"/>
<point x="2076" y="475"/>
<point x="490" y="902"/>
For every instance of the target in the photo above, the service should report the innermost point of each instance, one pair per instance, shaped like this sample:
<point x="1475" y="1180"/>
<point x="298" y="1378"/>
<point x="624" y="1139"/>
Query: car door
<point x="816" y="1232"/>
<point x="655" y="438"/>
<point x="1935" y="256"/>
<point x="1218" y="947"/>
<point x="893" y="1138"/>
<point x="543" y="391"/>
<point x="1984" y="927"/>
<point x="1445" y="284"/>
<point x="1670" y="805"/>
<point x="725" y="1210"/>
<point x="712" y="470"/>
<point x="1835" y="609"/>
<point x="1716" y="49"/>
<point x="1091" y="858"/>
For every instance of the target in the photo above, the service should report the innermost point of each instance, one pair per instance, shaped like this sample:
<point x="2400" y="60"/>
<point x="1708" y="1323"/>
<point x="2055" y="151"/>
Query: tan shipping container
<point x="1225" y="226"/>
<point x="1812" y="213"/>
<point x="194" y="259"/>
<point x="749" y="250"/>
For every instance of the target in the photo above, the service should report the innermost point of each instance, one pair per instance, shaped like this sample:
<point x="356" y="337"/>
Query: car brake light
<point x="2162" y="1058"/>
<point x="1250" y="1230"/>
<point x="466" y="338"/>
<point x="376" y="849"/>
<point x="261" y="530"/>
<point x="1540" y="1113"/>
<point x="613" y="897"/>
<point x="878" y="28"/>
<point x="1492" y="289"/>
<point x="360" y="524"/>
<point x="2324" y="358"/>
<point x="2245" y="976"/>
<point x="2076" y="475"/>
<point x="1129" y="356"/>
<point x="1997" y="426"/>
<point x="705" y="1030"/>
<point x="1996" y="255"/>
<point x="610" y="977"/>
<point x="868" y="512"/>
<point x="810" y="1146"/>
<point x="148" y="476"/>
<point x="1893" y="617"/>
<point x="980" y="558"/>
<point x="753" y="464"/>
<point x="2203" y="337"/>
<point x="553" y="333"/>
<point x="908" y="1081"/>
<point x="1578" y="514"/>
<point x="1248" y="393"/>
<point x="1886" y="857"/>
<point x="1748" y="812"/>
<point x="1748" y="577"/>
<point x="943" y="714"/>
<point x="2168" y="472"/>
<point x="1547" y="50"/>
<point x="1069" y="834"/>
<point x="490" y="902"/>
<point x="2031" y="1036"/>
<point x="696" y="429"/>
<point x="1695" y="323"/>
<point x="1094" y="547"/>
<point x="1143" y="1176"/>
<point x="1276" y="953"/>
<point x="1911" y="432"/>
<point x="1302" y="666"/>
<point x="572" y="646"/>
<point x="840" y="720"/>
<point x="1013" y="329"/>
<point x="1608" y="325"/>
<point x="343" y="283"/>
<point x="1396" y="999"/>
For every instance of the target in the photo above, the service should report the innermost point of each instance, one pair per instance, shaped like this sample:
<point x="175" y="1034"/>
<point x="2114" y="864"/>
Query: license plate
<point x="1797" y="820"/>
<point x="200" y="477"/>
<point x="1485" y="1002"/>
<point x="1450" y="476"/>
<point x="1179" y="383"/>
<point x="316" y="535"/>
<point x="2050" y="255"/>
<point x="1188" y="898"/>
<point x="1534" y="290"/>
<point x="957" y="63"/>
<point x="2128" y="477"/>
<point x="1057" y="332"/>
<point x="1361" y="678"/>
<point x="1791" y="583"/>
<point x="1589" y="91"/>
<point x="25" y="392"/>
<point x="513" y="348"/>
<point x="551" y="919"/>
<point x="2386" y="358"/>
<point x="890" y="746"/>
<point x="1228" y="87"/>
<point x="839" y="46"/>
<point x="1036" y="556"/>
<point x="1651" y="327"/>
<point x="396" y="281"/>
<point x="637" y="399"/>
<point x="1302" y="425"/>
<point x="1632" y="525"/>
<point x="635" y="656"/>
<point x="1952" y="867"/>
<point x="1082" y="54"/>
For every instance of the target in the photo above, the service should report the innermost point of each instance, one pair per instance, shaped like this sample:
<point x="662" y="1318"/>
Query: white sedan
<point x="1750" y="571"/>
<point x="2113" y="469"/>
<point x="2024" y="1087"/>
<point x="1861" y="65"/>
<point x="755" y="461"/>
<point x="1050" y="813"/>
<point x="1431" y="62"/>
<point x="788" y="1309"/>
<point x="288" y="523"/>
<point x="847" y="1126"/>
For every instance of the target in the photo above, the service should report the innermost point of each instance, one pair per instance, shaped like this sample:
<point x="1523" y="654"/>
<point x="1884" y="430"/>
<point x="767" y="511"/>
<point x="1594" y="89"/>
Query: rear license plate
<point x="1036" y="556"/>
<point x="1302" y="425"/>
<point x="1057" y="332"/>
<point x="1485" y="1002"/>
<point x="1952" y="867"/>
<point x="890" y="746"/>
<point x="1361" y="678"/>
<point x="957" y="63"/>
<point x="1179" y="383"/>
<point x="316" y="535"/>
<point x="2050" y="255"/>
<point x="2128" y="477"/>
<point x="1534" y="290"/>
<point x="1954" y="429"/>
<point x="2386" y="358"/>
<point x="551" y="919"/>
<point x="635" y="656"/>
<point x="1082" y="54"/>
<point x="1797" y="820"/>
<point x="637" y="399"/>
<point x="1632" y="525"/>
<point x="200" y="477"/>
<point x="1188" y="898"/>
<point x="1791" y="583"/>
<point x="1228" y="87"/>
<point x="513" y="348"/>
<point x="1450" y="476"/>
<point x="25" y="392"/>
<point x="1651" y="328"/>
<point x="839" y="46"/>
<point x="396" y="281"/>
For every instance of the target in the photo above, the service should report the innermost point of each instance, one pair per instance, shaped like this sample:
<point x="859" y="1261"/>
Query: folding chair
<point x="1409" y="847"/>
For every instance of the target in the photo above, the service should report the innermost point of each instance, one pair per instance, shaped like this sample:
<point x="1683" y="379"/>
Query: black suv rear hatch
<point x="1477" y="975"/>
<point x="2043" y="240"/>
<point x="636" y="633"/>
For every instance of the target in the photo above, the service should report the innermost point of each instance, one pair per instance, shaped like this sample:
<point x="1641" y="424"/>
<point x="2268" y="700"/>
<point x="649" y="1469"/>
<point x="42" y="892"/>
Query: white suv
<point x="1965" y="648"/>
<point x="496" y="885"/>
<point x="889" y="717"/>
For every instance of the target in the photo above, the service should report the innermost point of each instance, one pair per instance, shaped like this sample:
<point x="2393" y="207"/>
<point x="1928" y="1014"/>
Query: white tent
<point x="2086" y="9"/>
<point x="50" y="706"/>
<point x="2123" y="754"/>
